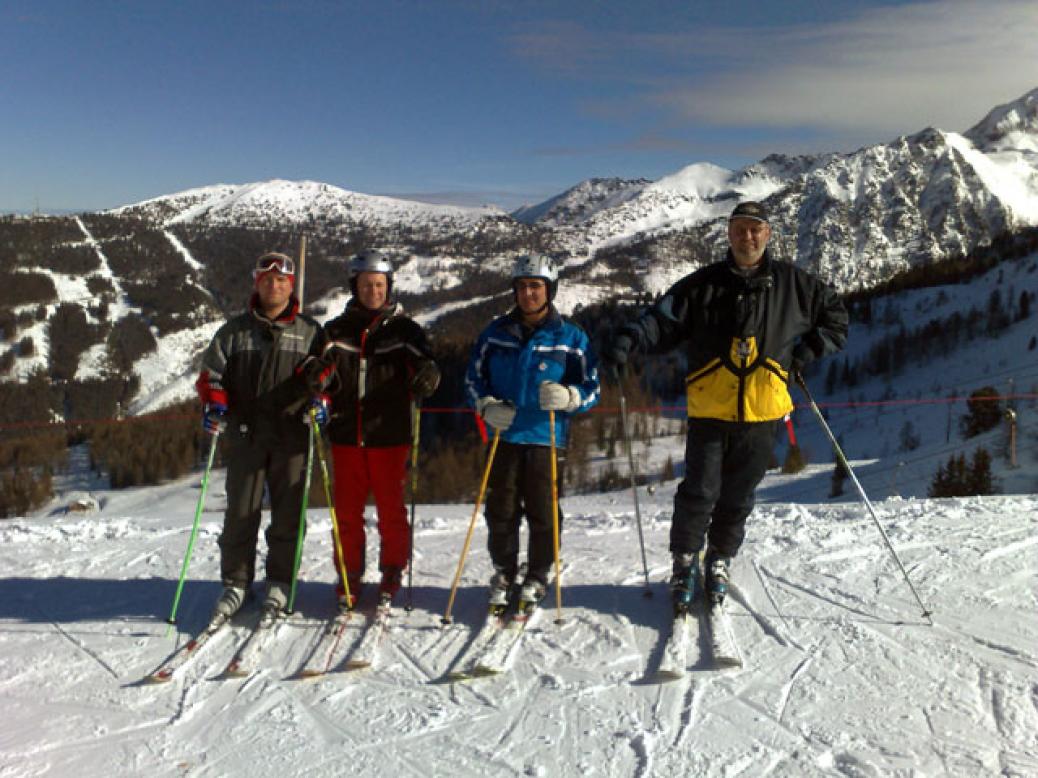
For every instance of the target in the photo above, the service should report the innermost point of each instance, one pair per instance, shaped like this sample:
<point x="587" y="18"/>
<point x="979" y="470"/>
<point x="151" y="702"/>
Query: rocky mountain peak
<point x="1013" y="125"/>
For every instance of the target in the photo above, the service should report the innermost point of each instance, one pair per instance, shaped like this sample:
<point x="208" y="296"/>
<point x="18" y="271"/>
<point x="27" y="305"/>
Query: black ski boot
<point x="684" y="581"/>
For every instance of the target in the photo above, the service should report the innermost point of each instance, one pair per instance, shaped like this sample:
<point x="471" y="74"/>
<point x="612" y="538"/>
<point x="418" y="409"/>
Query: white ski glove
<point x="497" y="413"/>
<point x="556" y="397"/>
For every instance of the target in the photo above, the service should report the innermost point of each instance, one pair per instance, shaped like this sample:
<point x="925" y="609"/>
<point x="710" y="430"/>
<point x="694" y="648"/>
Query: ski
<point x="465" y="667"/>
<point x="367" y="650"/>
<point x="683" y="632"/>
<point x="187" y="652"/>
<point x="723" y="646"/>
<point x="500" y="653"/>
<point x="246" y="660"/>
<point x="322" y="658"/>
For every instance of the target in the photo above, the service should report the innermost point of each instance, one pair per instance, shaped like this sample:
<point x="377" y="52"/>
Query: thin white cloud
<point x="883" y="72"/>
<point x="890" y="71"/>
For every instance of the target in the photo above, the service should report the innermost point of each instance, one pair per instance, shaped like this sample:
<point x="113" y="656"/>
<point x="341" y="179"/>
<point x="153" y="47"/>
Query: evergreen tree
<point x="979" y="478"/>
<point x="984" y="411"/>
<point x="668" y="470"/>
<point x="909" y="438"/>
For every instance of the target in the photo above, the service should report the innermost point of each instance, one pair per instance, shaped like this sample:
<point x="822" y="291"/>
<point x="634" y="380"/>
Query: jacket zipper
<point x="362" y="376"/>
<point x="362" y="381"/>
<point x="744" y="353"/>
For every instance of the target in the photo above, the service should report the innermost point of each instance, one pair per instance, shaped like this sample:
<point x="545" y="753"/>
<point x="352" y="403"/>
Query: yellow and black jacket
<point x="743" y="334"/>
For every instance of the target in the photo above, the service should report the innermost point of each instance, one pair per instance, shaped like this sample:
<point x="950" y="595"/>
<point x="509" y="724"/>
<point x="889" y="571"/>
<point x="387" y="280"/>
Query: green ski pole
<point x="302" y="521"/>
<point x="194" y="532"/>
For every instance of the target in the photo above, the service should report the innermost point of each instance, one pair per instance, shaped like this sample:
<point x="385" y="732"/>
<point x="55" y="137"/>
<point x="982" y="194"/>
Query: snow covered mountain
<point x="1011" y="126"/>
<point x="582" y="201"/>
<point x="302" y="203"/>
<point x="854" y="218"/>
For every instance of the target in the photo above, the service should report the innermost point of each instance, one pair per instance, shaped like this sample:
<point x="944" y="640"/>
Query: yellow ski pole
<point x="555" y="519"/>
<point x="472" y="526"/>
<point x="319" y="441"/>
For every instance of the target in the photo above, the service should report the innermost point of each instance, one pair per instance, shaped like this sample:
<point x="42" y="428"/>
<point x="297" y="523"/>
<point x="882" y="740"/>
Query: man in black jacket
<point x="252" y="387"/>
<point x="749" y="324"/>
<point x="376" y="362"/>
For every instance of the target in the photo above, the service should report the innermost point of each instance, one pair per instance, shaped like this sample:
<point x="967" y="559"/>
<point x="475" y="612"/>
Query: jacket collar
<point x="757" y="278"/>
<point x="387" y="311"/>
<point x="515" y="324"/>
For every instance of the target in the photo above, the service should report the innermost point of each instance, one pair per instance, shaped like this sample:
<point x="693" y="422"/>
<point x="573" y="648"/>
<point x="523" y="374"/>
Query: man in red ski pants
<point x="374" y="364"/>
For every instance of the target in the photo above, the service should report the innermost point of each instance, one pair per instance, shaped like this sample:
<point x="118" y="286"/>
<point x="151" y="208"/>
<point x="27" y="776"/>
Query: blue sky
<point x="107" y="102"/>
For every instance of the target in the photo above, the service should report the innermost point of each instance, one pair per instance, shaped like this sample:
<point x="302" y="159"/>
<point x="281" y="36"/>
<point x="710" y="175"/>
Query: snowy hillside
<point x="581" y="202"/>
<point x="841" y="674"/>
<point x="301" y="202"/>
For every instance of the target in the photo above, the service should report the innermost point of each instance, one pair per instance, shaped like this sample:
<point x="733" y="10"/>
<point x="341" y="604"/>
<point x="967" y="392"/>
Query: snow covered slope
<point x="841" y="676"/>
<point x="582" y="201"/>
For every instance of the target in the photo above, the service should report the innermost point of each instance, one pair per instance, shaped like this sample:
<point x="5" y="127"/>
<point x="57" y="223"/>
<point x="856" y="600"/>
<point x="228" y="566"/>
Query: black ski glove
<point x="425" y="380"/>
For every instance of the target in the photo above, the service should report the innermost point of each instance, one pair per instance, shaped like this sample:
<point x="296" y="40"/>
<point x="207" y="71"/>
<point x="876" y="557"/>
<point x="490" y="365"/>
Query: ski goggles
<point x="274" y="261"/>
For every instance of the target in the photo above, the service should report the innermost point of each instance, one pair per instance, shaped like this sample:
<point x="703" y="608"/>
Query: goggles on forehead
<point x="274" y="261"/>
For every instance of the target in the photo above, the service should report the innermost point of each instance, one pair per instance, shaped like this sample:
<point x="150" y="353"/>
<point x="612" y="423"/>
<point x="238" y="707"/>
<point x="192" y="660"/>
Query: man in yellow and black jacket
<point x="748" y="323"/>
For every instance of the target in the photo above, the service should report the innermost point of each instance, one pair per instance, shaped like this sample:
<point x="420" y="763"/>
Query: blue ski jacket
<point x="510" y="362"/>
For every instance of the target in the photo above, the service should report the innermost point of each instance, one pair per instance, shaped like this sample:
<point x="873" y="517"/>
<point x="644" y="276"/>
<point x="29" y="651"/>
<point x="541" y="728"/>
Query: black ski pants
<point x="724" y="462"/>
<point x="250" y="466"/>
<point x="520" y="482"/>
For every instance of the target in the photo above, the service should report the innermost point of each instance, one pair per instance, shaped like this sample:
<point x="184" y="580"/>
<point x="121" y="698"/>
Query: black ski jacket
<point x="252" y="366"/>
<point x="375" y="354"/>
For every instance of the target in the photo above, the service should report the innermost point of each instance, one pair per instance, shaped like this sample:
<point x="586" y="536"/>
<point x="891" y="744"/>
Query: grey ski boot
<point x="276" y="600"/>
<point x="229" y="603"/>
<point x="717" y="577"/>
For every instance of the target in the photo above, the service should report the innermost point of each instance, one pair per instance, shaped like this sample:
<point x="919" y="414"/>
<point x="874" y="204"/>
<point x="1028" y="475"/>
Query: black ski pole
<point x="864" y="497"/>
<point x="416" y="425"/>
<point x="621" y="375"/>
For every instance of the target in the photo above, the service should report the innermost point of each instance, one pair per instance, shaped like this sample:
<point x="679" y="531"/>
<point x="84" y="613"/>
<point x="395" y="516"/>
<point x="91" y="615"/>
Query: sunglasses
<point x="273" y="261"/>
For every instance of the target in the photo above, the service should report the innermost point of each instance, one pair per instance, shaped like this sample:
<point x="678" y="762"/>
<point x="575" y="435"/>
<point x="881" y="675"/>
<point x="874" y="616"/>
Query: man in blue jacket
<point x="525" y="364"/>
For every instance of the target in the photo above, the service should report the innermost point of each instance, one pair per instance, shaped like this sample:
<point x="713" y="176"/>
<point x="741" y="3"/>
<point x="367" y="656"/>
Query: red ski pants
<point x="360" y="471"/>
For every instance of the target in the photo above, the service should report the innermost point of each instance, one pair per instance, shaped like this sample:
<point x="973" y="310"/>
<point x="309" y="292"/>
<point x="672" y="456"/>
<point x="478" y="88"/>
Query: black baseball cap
<point x="750" y="210"/>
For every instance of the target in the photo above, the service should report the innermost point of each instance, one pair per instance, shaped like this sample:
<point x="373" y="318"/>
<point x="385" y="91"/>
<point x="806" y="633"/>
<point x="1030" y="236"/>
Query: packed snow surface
<point x="842" y="675"/>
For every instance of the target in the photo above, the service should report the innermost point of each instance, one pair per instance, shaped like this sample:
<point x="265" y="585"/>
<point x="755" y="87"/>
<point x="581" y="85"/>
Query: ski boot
<point x="531" y="594"/>
<point x="230" y="602"/>
<point x="683" y="582"/>
<point x="275" y="602"/>
<point x="392" y="580"/>
<point x="500" y="588"/>
<point x="346" y="604"/>
<point x="717" y="577"/>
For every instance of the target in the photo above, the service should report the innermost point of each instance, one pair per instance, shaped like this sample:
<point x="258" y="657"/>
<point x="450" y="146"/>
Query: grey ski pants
<point x="250" y="467"/>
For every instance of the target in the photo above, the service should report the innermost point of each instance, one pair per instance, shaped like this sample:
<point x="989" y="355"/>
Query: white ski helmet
<point x="537" y="266"/>
<point x="371" y="261"/>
